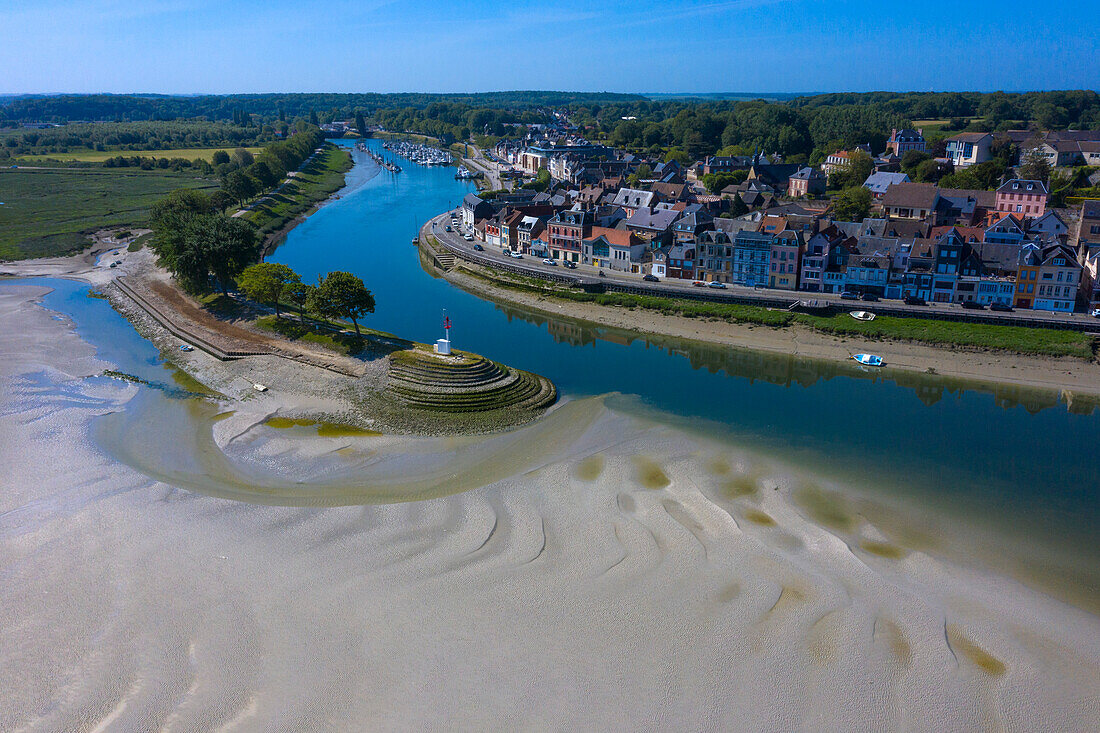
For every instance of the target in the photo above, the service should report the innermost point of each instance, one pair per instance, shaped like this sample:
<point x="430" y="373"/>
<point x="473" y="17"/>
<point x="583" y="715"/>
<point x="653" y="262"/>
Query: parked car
<point x="848" y="295"/>
<point x="1095" y="313"/>
<point x="973" y="305"/>
<point x="468" y="237"/>
<point x="516" y="255"/>
<point x="869" y="297"/>
<point x="651" y="278"/>
<point x="717" y="285"/>
<point x="698" y="283"/>
<point x="478" y="248"/>
<point x="1007" y="308"/>
<point x="549" y="261"/>
<point x="570" y="265"/>
<point x="914" y="300"/>
<point x="449" y="228"/>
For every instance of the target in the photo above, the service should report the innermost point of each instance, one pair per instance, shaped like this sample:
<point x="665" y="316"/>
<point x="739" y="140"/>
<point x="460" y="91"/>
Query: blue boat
<point x="868" y="359"/>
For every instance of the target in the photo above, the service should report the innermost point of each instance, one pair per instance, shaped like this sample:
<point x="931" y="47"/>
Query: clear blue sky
<point x="221" y="46"/>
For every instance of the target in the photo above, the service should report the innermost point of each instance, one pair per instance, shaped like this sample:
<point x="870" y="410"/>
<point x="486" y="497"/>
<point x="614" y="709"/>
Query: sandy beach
<point x="621" y="575"/>
<point x="988" y="366"/>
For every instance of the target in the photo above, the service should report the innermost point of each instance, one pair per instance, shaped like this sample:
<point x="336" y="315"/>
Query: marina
<point x="378" y="158"/>
<point x="419" y="154"/>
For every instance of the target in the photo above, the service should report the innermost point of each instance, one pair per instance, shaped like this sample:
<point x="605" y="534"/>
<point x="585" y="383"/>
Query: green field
<point x="313" y="184"/>
<point x="98" y="156"/>
<point x="49" y="212"/>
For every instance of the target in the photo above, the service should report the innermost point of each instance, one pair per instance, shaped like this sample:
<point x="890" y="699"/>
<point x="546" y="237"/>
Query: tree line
<point x="65" y="107"/>
<point x="127" y="136"/>
<point x="196" y="241"/>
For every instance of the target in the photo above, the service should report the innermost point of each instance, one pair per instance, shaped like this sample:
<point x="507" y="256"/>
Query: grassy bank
<point x="298" y="331"/>
<point x="951" y="334"/>
<point x="316" y="182"/>
<point x="49" y="212"/>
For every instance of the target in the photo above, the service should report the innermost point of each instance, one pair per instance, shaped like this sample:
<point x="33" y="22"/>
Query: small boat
<point x="868" y="359"/>
<point x="416" y="240"/>
<point x="862" y="315"/>
<point x="186" y="347"/>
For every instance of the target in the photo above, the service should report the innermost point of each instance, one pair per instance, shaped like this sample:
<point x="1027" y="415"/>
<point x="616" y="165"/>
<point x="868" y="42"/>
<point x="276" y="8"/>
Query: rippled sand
<point x="615" y="573"/>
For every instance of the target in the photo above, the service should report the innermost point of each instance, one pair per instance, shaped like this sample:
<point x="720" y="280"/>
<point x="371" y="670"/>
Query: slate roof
<point x="657" y="220"/>
<point x="634" y="198"/>
<point x="879" y="181"/>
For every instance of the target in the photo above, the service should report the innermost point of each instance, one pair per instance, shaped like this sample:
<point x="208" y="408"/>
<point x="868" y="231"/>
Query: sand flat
<point x="572" y="592"/>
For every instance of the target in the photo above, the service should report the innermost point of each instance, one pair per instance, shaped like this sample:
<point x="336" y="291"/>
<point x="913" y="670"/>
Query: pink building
<point x="1024" y="198"/>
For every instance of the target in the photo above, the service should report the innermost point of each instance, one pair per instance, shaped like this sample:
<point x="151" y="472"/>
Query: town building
<point x="1025" y="198"/>
<point x="969" y="148"/>
<point x="904" y="140"/>
<point x="806" y="182"/>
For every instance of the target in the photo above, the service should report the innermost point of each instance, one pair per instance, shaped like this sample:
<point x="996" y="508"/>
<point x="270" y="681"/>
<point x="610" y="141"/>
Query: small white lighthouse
<point x="443" y="345"/>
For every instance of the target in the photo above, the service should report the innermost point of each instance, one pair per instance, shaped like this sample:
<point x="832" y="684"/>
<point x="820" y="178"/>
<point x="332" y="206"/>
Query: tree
<point x="927" y="171"/>
<point x="360" y="124"/>
<point x="738" y="207"/>
<point x="299" y="294"/>
<point x="220" y="157"/>
<point x="912" y="158"/>
<point x="240" y="186"/>
<point x="855" y="171"/>
<point x="269" y="282"/>
<point x="220" y="200"/>
<point x="1034" y="167"/>
<point x="171" y="219"/>
<point x="643" y="173"/>
<point x="313" y="118"/>
<point x="679" y="155"/>
<point x="263" y="173"/>
<point x="225" y="244"/>
<point x="541" y="182"/>
<point x="852" y="204"/>
<point x="242" y="158"/>
<point x="715" y="182"/>
<point x="343" y="295"/>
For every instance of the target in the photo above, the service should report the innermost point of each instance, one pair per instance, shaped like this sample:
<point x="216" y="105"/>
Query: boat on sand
<point x="868" y="359"/>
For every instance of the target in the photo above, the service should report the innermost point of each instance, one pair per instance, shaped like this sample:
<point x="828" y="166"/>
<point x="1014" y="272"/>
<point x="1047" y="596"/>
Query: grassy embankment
<point x="951" y="334"/>
<point x="316" y="182"/>
<point x="98" y="156"/>
<point x="49" y="212"/>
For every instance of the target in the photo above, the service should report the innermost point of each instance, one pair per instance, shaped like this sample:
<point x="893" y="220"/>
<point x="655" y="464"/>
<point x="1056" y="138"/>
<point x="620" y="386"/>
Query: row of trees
<point x="336" y="295"/>
<point x="244" y="176"/>
<point x="127" y="136"/>
<point x="201" y="246"/>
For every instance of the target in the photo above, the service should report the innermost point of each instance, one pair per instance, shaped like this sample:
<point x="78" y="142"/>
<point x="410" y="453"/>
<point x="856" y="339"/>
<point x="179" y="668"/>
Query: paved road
<point x="479" y="162"/>
<point x="670" y="287"/>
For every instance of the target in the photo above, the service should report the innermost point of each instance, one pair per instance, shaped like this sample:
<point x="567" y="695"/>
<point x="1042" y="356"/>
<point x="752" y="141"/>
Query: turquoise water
<point x="1010" y="451"/>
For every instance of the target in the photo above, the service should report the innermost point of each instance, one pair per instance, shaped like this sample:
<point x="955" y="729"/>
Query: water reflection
<point x="788" y="370"/>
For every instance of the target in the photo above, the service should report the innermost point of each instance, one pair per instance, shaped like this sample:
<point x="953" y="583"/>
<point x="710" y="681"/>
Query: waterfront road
<point x="767" y="297"/>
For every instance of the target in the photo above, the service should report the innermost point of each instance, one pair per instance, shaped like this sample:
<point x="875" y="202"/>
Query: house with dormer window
<point x="1022" y="197"/>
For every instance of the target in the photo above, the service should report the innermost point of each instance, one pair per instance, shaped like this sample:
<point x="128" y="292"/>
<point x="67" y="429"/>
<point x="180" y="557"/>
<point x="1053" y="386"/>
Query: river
<point x="998" y="450"/>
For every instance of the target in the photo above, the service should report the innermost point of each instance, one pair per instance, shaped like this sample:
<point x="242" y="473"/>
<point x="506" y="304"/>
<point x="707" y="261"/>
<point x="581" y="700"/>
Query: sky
<point x="656" y="46"/>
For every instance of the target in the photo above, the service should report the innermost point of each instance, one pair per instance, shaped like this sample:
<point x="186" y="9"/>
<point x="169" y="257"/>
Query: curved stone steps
<point x="546" y="396"/>
<point x="519" y="391"/>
